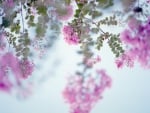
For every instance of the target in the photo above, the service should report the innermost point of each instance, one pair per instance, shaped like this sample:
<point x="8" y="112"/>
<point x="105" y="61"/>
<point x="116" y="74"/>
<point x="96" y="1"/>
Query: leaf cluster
<point x="115" y="45"/>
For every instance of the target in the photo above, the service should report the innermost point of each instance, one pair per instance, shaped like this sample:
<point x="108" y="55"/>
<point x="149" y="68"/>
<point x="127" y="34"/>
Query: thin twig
<point x="22" y="18"/>
<point x="95" y="25"/>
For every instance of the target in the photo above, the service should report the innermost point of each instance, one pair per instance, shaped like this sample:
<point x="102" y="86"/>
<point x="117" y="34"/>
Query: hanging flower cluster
<point x="136" y="37"/>
<point x="11" y="65"/>
<point x="70" y="36"/>
<point x="82" y="93"/>
<point x="30" y="27"/>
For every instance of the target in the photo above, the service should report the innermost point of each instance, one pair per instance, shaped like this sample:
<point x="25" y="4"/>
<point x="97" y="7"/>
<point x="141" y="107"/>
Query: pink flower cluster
<point x="9" y="3"/>
<point x="137" y="39"/>
<point x="19" y="69"/>
<point x="124" y="60"/>
<point x="82" y="92"/>
<point x="26" y="68"/>
<point x="70" y="36"/>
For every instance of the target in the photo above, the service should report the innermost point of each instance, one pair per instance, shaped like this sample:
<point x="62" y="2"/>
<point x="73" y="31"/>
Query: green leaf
<point x="42" y="10"/>
<point x="5" y="22"/>
<point x="95" y="30"/>
<point x="80" y="6"/>
<point x="96" y="14"/>
<point x="77" y="12"/>
<point x="105" y="3"/>
<point x="68" y="2"/>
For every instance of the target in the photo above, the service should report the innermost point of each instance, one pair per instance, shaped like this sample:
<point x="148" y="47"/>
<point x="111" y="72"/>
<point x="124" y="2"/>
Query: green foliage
<point x="42" y="10"/>
<point x="31" y="21"/>
<point x="95" y="30"/>
<point x="115" y="45"/>
<point x="96" y="14"/>
<point x="99" y="42"/>
<point x="22" y="48"/>
<point x="85" y="49"/>
<point x="40" y="30"/>
<point x="15" y="27"/>
<point x="86" y="9"/>
<point x="5" y="22"/>
<point x="105" y="3"/>
<point x="77" y="12"/>
<point x="67" y="2"/>
<point x="11" y="39"/>
<point x="80" y="5"/>
<point x="111" y="20"/>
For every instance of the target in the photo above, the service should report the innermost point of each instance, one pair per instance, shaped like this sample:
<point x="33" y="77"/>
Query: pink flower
<point x="26" y="68"/>
<point x="9" y="3"/>
<point x="136" y="37"/>
<point x="20" y="70"/>
<point x="5" y="83"/>
<point x="70" y="36"/>
<point x="126" y="59"/>
<point x="83" y="92"/>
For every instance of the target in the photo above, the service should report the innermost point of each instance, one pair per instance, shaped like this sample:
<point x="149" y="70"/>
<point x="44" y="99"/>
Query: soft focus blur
<point x="130" y="91"/>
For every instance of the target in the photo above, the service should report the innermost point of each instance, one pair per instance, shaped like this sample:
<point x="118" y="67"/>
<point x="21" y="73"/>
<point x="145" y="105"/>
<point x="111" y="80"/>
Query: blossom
<point x="9" y="3"/>
<point x="136" y="37"/>
<point x="19" y="69"/>
<point x="126" y="59"/>
<point x="70" y="36"/>
<point x="83" y="92"/>
<point x="26" y="68"/>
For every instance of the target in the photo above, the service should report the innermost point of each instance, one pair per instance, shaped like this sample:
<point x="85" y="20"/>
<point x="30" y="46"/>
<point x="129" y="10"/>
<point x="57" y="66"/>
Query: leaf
<point x="115" y="45"/>
<point x="42" y="10"/>
<point x="95" y="30"/>
<point x="5" y="22"/>
<point x="80" y="5"/>
<point x="40" y="30"/>
<point x="77" y="12"/>
<point x="96" y="14"/>
<point x="105" y="3"/>
<point x="68" y="2"/>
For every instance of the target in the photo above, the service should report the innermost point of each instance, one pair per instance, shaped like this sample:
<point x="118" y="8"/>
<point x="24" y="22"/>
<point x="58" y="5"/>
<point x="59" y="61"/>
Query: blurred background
<point x="130" y="91"/>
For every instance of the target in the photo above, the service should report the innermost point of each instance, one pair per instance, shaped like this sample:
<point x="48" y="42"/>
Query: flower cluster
<point x="21" y="20"/>
<point x="136" y="37"/>
<point x="124" y="60"/>
<point x="9" y="3"/>
<point x="70" y="35"/>
<point x="10" y="64"/>
<point x="82" y="93"/>
<point x="26" y="68"/>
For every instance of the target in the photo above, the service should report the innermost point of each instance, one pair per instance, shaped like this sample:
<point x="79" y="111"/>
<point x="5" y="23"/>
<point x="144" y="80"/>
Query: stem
<point x="22" y="18"/>
<point x="91" y="20"/>
<point x="95" y="25"/>
<point x="8" y="42"/>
